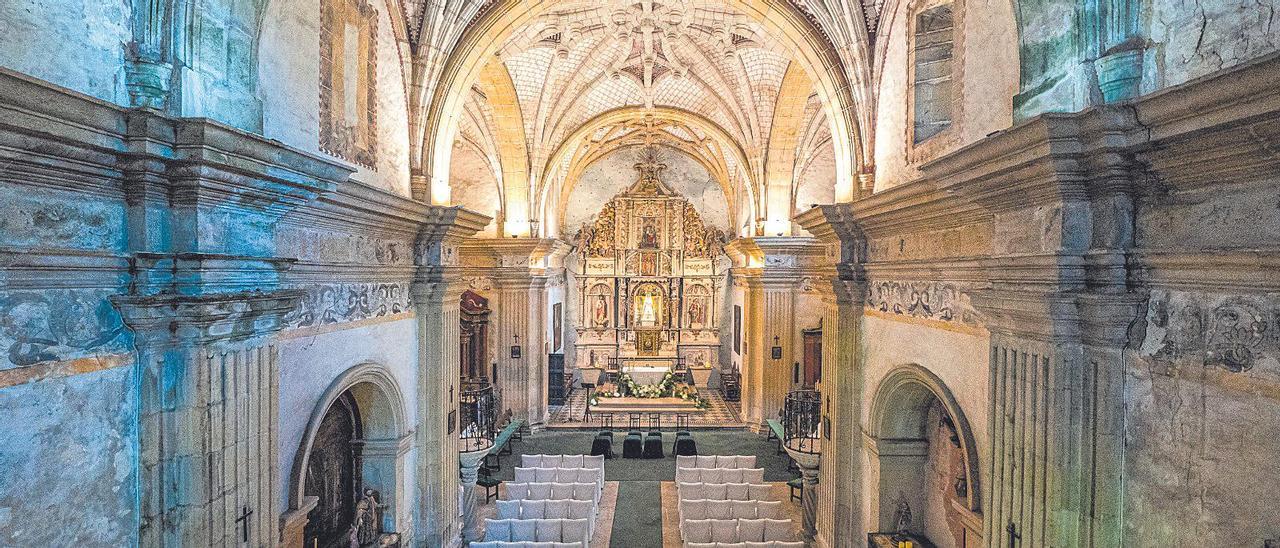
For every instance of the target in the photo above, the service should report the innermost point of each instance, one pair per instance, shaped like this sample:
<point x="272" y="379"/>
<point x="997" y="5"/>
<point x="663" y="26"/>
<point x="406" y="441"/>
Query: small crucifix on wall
<point x="244" y="518"/>
<point x="515" y="349"/>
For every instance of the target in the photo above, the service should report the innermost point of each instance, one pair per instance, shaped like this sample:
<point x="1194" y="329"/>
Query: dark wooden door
<point x="331" y="474"/>
<point x="812" y="358"/>
<point x="555" y="379"/>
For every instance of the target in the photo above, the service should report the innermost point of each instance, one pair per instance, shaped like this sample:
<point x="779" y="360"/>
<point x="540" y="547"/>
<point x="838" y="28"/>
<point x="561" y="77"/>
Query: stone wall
<point x="289" y="67"/>
<point x="82" y="43"/>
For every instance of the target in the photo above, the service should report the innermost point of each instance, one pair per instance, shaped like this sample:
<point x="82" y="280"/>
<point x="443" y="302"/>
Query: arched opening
<point x="923" y="461"/>
<point x="349" y="469"/>
<point x="474" y="339"/>
<point x="331" y="471"/>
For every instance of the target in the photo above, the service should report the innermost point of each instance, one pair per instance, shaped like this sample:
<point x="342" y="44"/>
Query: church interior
<point x="639" y="273"/>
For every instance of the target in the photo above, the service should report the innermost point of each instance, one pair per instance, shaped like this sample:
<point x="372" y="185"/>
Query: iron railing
<point x="802" y="421"/>
<point x="479" y="418"/>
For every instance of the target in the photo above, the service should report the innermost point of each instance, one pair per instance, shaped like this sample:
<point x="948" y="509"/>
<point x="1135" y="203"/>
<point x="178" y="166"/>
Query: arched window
<point x="933" y="89"/>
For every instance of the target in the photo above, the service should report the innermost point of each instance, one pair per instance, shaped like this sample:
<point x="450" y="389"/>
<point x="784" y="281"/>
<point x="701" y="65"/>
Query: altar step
<point x="645" y="405"/>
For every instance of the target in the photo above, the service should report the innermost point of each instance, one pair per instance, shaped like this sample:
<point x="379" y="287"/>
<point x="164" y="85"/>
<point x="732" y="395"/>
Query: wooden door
<point x="812" y="358"/>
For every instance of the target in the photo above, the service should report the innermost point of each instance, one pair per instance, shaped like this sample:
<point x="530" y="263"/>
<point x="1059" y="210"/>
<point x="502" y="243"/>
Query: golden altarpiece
<point x="651" y="286"/>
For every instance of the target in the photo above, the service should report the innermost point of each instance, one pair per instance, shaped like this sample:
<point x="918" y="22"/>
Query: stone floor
<point x="645" y="488"/>
<point x="721" y="414"/>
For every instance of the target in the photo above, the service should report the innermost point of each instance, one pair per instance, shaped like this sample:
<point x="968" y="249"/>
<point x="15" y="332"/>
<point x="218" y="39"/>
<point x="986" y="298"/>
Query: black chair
<point x="602" y="445"/>
<point x="490" y="484"/>
<point x="633" y="421"/>
<point x="655" y="422"/>
<point x="606" y="421"/>
<point x="796" y="486"/>
<point x="653" y="446"/>
<point x="684" y="446"/>
<point x="632" y="446"/>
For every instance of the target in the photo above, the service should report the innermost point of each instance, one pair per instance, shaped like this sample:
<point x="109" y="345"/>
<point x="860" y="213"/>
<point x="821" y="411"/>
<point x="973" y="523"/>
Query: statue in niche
<point x="366" y="530"/>
<point x="902" y="518"/>
<point x="697" y="312"/>
<point x="600" y="313"/>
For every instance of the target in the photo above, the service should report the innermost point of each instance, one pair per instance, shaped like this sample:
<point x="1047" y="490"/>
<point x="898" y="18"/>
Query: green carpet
<point x="637" y="522"/>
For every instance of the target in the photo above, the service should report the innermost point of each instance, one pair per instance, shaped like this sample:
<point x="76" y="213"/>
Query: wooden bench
<point x="775" y="432"/>
<point x="502" y="444"/>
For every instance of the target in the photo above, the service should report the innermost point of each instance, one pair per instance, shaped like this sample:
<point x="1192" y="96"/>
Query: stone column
<point x="205" y="302"/>
<point x="773" y="270"/>
<point x="809" y="465"/>
<point x="437" y="293"/>
<point x="469" y="466"/>
<point x="520" y="268"/>
<point x="843" y="288"/>
<point x="209" y="386"/>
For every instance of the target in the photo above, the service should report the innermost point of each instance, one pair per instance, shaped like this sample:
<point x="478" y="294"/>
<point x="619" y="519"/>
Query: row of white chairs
<point x="724" y="491"/>
<point x="728" y="509"/>
<point x="552" y="491"/>
<point x="716" y="461"/>
<point x="501" y="544"/>
<point x="561" y="475"/>
<point x="546" y="509"/>
<point x="562" y="461"/>
<point x="719" y="475"/>
<point x="538" y="530"/>
<point x="766" y="544"/>
<point x="736" y="530"/>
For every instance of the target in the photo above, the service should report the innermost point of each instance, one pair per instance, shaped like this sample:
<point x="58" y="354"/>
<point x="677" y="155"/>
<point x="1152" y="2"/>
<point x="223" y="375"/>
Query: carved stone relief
<point x="47" y="325"/>
<point x="328" y="304"/>
<point x="929" y="300"/>
<point x="1233" y="333"/>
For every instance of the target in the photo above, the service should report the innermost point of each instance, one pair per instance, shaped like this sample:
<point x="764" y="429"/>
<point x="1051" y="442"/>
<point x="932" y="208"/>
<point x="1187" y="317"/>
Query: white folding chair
<point x="561" y="491"/>
<point x="526" y="475"/>
<point x="517" y="491"/>
<point x="524" y="530"/>
<point x="768" y="509"/>
<point x="497" y="529"/>
<point x="713" y="491"/>
<point x="752" y="475"/>
<point x="547" y="530"/>
<point x="706" y="461"/>
<point x="696" y="530"/>
<point x="557" y="509"/>
<point x="509" y="509"/>
<point x="575" y="530"/>
<point x="688" y="475"/>
<point x="686" y="461"/>
<point x="533" y="509"/>
<point x="530" y="461"/>
<point x="737" y="491"/>
<point x="760" y="491"/>
<point x="743" y="509"/>
<point x="539" y="491"/>
<point x="720" y="510"/>
<point x="724" y="530"/>
<point x="571" y="461"/>
<point x="751" y="530"/>
<point x="777" y="529"/>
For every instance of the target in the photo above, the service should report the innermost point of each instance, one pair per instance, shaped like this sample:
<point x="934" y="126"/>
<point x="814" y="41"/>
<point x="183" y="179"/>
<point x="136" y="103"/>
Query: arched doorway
<point x="474" y="339"/>
<point x="923" y="460"/>
<point x="350" y="464"/>
<point x="331" y="474"/>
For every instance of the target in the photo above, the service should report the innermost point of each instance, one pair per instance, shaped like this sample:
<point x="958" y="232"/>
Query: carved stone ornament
<point x="929" y="300"/>
<point x="328" y="304"/>
<point x="1233" y="333"/>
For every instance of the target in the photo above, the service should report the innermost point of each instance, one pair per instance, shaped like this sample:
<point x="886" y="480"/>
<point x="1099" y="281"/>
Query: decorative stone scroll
<point x="928" y="300"/>
<point x="328" y="304"/>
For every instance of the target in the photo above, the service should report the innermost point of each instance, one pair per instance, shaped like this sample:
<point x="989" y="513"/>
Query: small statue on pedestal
<point x="902" y="519"/>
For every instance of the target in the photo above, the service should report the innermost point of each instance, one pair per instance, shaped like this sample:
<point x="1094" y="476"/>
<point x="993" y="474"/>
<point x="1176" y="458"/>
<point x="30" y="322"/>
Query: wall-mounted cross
<point x="244" y="517"/>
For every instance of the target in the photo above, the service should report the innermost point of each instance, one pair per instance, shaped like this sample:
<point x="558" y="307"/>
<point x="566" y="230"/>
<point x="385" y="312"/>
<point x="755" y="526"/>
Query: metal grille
<point x="802" y="421"/>
<point x="479" y="418"/>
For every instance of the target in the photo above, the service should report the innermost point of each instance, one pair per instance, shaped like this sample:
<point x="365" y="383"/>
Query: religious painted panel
<point x="348" y="81"/>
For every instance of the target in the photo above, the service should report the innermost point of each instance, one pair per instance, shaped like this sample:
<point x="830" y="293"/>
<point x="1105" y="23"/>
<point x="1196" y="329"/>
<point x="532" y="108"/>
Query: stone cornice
<point x="187" y="319"/>
<point x="527" y="254"/>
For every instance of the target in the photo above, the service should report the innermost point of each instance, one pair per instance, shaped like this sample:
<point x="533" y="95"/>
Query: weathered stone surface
<point x="1203" y="420"/>
<point x="69" y="461"/>
<point x="82" y="43"/>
